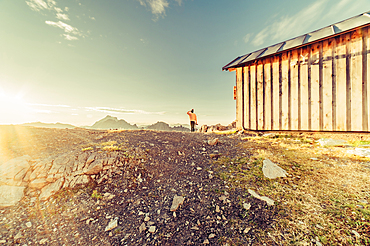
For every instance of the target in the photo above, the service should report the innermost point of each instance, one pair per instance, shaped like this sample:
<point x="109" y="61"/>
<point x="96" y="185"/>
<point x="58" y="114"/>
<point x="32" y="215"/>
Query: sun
<point x="13" y="109"/>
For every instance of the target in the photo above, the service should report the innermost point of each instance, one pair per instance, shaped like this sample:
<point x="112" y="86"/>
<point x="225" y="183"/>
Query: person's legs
<point x="192" y="125"/>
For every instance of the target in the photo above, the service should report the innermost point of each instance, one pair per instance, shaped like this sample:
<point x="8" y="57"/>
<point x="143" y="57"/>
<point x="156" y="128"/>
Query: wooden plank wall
<point x="319" y="87"/>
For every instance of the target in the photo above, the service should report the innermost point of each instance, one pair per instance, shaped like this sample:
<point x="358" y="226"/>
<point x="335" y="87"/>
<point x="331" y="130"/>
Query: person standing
<point x="193" y="119"/>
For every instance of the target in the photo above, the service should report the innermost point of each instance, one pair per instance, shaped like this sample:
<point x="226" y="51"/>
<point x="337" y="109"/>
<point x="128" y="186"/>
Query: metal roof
<point x="310" y="37"/>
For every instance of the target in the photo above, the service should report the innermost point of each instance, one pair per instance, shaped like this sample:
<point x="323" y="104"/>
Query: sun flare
<point x="13" y="109"/>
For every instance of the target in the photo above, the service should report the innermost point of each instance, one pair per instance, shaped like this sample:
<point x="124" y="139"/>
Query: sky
<point x="76" y="61"/>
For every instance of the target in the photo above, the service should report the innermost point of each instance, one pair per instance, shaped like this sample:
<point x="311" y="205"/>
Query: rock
<point x="263" y="198"/>
<point x="356" y="233"/>
<point x="13" y="171"/>
<point x="212" y="235"/>
<point x="10" y="195"/>
<point x="272" y="171"/>
<point x="51" y="189"/>
<point x="328" y="142"/>
<point x="360" y="152"/>
<point x="90" y="159"/>
<point x="18" y="236"/>
<point x="108" y="196"/>
<point x="38" y="183"/>
<point x="217" y="209"/>
<point x="203" y="128"/>
<point x="29" y="224"/>
<point x="152" y="229"/>
<point x="206" y="241"/>
<point x="246" y="206"/>
<point x="246" y="230"/>
<point x="176" y="202"/>
<point x="43" y="241"/>
<point x="95" y="167"/>
<point x="142" y="227"/>
<point x="147" y="218"/>
<point x="213" y="141"/>
<point x="112" y="224"/>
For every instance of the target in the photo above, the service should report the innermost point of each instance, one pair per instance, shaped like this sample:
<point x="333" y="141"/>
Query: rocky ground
<point x="137" y="200"/>
<point x="172" y="191"/>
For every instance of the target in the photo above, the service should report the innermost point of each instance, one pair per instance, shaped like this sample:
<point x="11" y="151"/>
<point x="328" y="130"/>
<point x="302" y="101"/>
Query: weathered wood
<point x="294" y="90"/>
<point x="365" y="108"/>
<point x="267" y="80"/>
<point x="246" y="97"/>
<point x="327" y="85"/>
<point x="284" y="92"/>
<point x="340" y="62"/>
<point x="239" y="113"/>
<point x="368" y="76"/>
<point x="304" y="57"/>
<point x="253" y="98"/>
<point x="356" y="81"/>
<point x="315" y="77"/>
<point x="348" y="82"/>
<point x="260" y="96"/>
<point x="275" y="94"/>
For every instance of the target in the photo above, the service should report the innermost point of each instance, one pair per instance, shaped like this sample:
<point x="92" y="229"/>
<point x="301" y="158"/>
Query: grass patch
<point x="321" y="198"/>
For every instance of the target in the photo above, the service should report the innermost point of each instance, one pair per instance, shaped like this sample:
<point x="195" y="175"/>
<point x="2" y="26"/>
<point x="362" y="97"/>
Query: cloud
<point x="69" y="37"/>
<point x="122" y="111"/>
<point x="62" y="16"/>
<point x="179" y="2"/>
<point x="290" y="26"/>
<point x="158" y="7"/>
<point x="49" y="105"/>
<point x="92" y="18"/>
<point x="247" y="37"/>
<point x="38" y="5"/>
<point x="51" y="5"/>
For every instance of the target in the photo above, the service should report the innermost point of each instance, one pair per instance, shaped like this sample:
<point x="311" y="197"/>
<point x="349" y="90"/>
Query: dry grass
<point x="326" y="196"/>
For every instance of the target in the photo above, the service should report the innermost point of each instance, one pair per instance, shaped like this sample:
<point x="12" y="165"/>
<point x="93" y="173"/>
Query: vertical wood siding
<point x="318" y="87"/>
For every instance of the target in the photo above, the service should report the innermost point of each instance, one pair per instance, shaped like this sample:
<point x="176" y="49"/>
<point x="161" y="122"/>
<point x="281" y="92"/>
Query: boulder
<point x="10" y="195"/>
<point x="38" y="183"/>
<point x="95" y="167"/>
<point x="176" y="202"/>
<point x="272" y="171"/>
<point x="13" y="171"/>
<point x="51" y="189"/>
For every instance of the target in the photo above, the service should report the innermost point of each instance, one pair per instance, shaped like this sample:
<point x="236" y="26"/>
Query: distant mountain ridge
<point x="49" y="125"/>
<point x="110" y="122"/>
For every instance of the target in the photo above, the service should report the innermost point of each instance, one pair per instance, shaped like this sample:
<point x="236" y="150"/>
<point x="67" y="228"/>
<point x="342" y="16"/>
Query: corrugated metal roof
<point x="310" y="37"/>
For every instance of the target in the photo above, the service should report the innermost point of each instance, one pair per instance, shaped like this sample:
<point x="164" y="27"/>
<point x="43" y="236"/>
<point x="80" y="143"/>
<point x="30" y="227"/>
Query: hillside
<point x="143" y="187"/>
<point x="110" y="122"/>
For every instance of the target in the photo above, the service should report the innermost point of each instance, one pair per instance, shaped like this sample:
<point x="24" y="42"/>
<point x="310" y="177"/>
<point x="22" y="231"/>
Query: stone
<point x="13" y="171"/>
<point x="212" y="235"/>
<point x="18" y="236"/>
<point x="213" y="141"/>
<point x="43" y="241"/>
<point x="51" y="189"/>
<point x="272" y="171"/>
<point x="246" y="230"/>
<point x="356" y="233"/>
<point x="328" y="142"/>
<point x="112" y="224"/>
<point x="217" y="209"/>
<point x="95" y="167"/>
<point x="269" y="201"/>
<point x="206" y="241"/>
<point x="246" y="206"/>
<point x="10" y="195"/>
<point x="90" y="159"/>
<point x="152" y="229"/>
<point x="360" y="152"/>
<point x="176" y="202"/>
<point x="142" y="227"/>
<point x="37" y="183"/>
<point x="29" y="224"/>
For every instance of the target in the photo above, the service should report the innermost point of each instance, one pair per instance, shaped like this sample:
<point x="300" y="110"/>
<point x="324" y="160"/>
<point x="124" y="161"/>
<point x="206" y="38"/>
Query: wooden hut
<point x="315" y="82"/>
